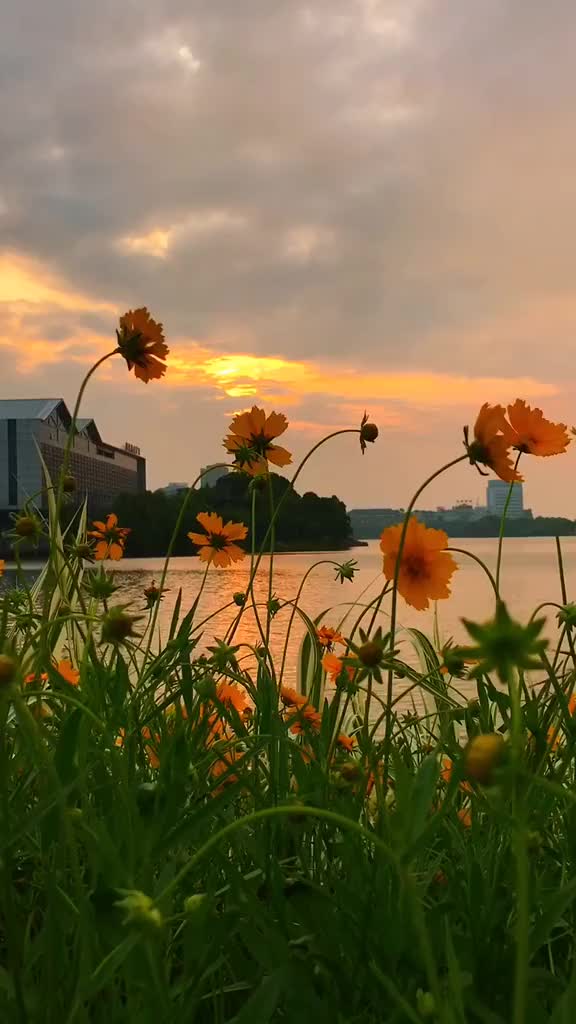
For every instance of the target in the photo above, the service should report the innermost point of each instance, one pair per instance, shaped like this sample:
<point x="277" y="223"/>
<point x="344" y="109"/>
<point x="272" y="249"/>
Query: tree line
<point x="305" y="522"/>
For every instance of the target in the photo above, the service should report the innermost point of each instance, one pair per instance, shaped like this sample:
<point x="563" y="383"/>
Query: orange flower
<point x="291" y="698"/>
<point x="302" y="717"/>
<point x="141" y="342"/>
<point x="553" y="735"/>
<point x="250" y="441"/>
<point x="221" y="767"/>
<point x="327" y="637"/>
<point x="334" y="666"/>
<point x="533" y="434"/>
<point x="232" y="696"/>
<point x="446" y="774"/>
<point x="346" y="742"/>
<point x="2" y="566"/>
<point x="111" y="538"/>
<point x="32" y="679"/>
<point x="66" y="669"/>
<point x="491" y="444"/>
<point x="151" y="747"/>
<point x="426" y="568"/>
<point x="465" y="817"/>
<point x="217" y="544"/>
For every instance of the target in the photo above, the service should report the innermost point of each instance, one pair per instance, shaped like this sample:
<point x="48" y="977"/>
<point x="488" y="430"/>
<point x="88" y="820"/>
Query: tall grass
<point x="185" y="839"/>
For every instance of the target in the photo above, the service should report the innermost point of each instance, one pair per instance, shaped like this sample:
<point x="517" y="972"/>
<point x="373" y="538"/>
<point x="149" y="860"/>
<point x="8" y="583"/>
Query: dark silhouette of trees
<point x="305" y="522"/>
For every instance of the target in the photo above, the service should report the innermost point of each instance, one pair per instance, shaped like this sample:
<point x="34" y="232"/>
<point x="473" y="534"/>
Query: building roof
<point x="28" y="408"/>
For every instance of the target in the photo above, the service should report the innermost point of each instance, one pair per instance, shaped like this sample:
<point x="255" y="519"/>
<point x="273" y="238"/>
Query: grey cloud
<point x="437" y="157"/>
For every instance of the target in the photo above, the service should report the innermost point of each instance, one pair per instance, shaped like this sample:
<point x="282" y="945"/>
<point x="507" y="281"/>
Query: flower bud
<point x="194" y="903"/>
<point x="425" y="1004"/>
<point x="239" y="598"/>
<point x="117" y="626"/>
<point x="8" y="668"/>
<point x="68" y="484"/>
<point x="140" y="910"/>
<point x="26" y="526"/>
<point x="482" y="756"/>
<point x="370" y="654"/>
<point x="369" y="432"/>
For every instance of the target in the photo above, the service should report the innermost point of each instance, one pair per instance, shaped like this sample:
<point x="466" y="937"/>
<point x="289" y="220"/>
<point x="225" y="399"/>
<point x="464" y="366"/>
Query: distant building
<point x="32" y="429"/>
<point x="462" y="511"/>
<point x="174" y="488"/>
<point x="212" y="474"/>
<point x="369" y="522"/>
<point x="496" y="495"/>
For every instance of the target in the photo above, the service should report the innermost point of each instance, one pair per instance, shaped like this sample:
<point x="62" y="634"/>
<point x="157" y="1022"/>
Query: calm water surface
<point x="529" y="577"/>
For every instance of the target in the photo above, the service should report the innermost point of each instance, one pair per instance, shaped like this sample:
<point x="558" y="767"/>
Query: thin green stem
<point x="463" y="551"/>
<point x="324" y="561"/>
<point x="503" y="525"/>
<point x="394" y="607"/>
<point x="276" y="812"/>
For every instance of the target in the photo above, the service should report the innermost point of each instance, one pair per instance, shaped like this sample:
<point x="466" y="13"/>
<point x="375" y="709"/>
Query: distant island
<point x="306" y="522"/>
<point x="369" y="523"/>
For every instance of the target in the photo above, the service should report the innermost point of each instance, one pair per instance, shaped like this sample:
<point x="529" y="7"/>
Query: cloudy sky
<point x="331" y="205"/>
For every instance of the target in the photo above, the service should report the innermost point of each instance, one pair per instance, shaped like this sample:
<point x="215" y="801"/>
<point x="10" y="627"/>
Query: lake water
<point x="529" y="577"/>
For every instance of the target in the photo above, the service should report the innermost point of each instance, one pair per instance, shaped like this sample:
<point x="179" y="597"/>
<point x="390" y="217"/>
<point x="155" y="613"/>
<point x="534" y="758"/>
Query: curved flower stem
<point x="277" y="812"/>
<point x="323" y="561"/>
<point x="170" y="549"/>
<point x="394" y="607"/>
<point x="564" y="593"/>
<point x="267" y="535"/>
<point x="271" y="563"/>
<point x="503" y="526"/>
<point x="463" y="551"/>
<point x="377" y="601"/>
<point x="71" y="434"/>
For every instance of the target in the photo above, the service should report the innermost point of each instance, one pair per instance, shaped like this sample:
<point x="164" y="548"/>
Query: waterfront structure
<point x="36" y="430"/>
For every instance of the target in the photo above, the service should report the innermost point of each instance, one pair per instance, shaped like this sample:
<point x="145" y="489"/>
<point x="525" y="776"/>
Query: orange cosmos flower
<point x="491" y="444"/>
<point x="426" y="568"/>
<point x="446" y="774"/>
<point x="2" y="566"/>
<point x="111" y="538"/>
<point x="221" y="767"/>
<point x="465" y="817"/>
<point x="150" y="747"/>
<point x="533" y="434"/>
<point x="334" y="666"/>
<point x="141" y="342"/>
<point x="217" y="544"/>
<point x="303" y="716"/>
<point x="327" y="637"/>
<point x="291" y="698"/>
<point x="250" y="441"/>
<point x="346" y="742"/>
<point x="66" y="669"/>
<point x="231" y="696"/>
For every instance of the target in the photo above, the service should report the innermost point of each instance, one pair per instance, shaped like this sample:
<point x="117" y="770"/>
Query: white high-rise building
<point x="496" y="495"/>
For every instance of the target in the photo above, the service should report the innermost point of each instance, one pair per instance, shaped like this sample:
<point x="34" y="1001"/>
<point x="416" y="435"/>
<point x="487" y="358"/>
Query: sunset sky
<point x="332" y="206"/>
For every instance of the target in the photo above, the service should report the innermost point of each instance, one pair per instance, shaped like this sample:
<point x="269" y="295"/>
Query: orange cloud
<point x="28" y="290"/>
<point x="23" y="281"/>
<point x="246" y="376"/>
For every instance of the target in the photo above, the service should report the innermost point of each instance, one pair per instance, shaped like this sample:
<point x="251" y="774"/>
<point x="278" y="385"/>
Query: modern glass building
<point x="496" y="495"/>
<point x="36" y="429"/>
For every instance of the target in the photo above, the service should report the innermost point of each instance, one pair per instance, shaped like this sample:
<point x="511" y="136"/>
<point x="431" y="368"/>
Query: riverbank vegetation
<point x="305" y="522"/>
<point x="385" y="831"/>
